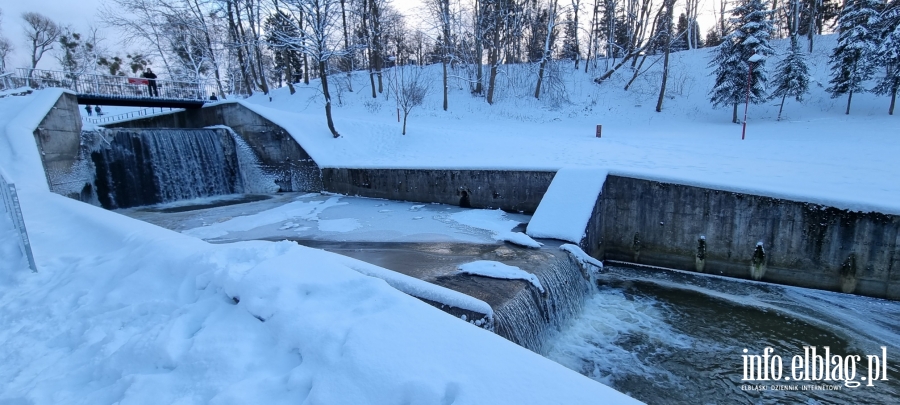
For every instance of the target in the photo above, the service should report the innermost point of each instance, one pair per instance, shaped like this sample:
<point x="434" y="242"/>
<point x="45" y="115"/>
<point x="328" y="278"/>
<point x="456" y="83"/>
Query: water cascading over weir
<point x="529" y="317"/>
<point x="150" y="166"/>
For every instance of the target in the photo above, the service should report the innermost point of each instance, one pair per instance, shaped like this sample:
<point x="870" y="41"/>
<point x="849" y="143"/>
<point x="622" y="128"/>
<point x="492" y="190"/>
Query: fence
<point x="12" y="207"/>
<point x="110" y="86"/>
<point x="145" y="112"/>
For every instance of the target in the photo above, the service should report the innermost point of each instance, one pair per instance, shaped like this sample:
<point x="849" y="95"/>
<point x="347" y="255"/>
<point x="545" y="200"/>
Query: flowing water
<point x="668" y="337"/>
<point x="150" y="166"/>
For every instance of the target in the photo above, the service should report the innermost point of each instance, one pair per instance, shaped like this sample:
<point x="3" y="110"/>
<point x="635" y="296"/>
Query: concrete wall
<point x="802" y="244"/>
<point x="515" y="191"/>
<point x="58" y="138"/>
<point x="280" y="155"/>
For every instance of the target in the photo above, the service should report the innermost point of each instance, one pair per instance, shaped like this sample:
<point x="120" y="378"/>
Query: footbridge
<point x="95" y="89"/>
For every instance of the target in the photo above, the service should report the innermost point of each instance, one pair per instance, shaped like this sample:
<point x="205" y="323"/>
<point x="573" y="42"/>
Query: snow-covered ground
<point x="816" y="153"/>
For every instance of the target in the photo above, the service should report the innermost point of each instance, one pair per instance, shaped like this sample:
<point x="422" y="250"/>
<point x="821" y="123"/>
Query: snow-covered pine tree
<point x="888" y="54"/>
<point x="753" y="25"/>
<point x="852" y="59"/>
<point x="792" y="73"/>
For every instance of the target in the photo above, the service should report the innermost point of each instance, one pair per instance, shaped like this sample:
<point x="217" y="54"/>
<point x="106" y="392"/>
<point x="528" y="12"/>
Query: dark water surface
<point x="668" y="337"/>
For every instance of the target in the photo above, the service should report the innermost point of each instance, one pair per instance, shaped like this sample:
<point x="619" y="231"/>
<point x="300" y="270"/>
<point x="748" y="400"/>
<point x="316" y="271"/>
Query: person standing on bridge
<point x="88" y="109"/>
<point x="151" y="82"/>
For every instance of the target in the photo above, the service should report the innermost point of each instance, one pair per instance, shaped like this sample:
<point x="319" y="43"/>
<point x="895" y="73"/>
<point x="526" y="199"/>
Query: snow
<point x="584" y="260"/>
<point x="495" y="221"/>
<point x="123" y="311"/>
<point x="567" y="206"/>
<point x="489" y="268"/>
<point x="342" y="218"/>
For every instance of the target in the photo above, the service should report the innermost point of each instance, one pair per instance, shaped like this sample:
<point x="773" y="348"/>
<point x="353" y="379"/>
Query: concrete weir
<point x="634" y="220"/>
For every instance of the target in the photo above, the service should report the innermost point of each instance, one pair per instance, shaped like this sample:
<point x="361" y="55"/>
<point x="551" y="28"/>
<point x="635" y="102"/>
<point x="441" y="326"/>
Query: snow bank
<point x="494" y="269"/>
<point x="566" y="208"/>
<point x="123" y="311"/>
<point x="421" y="289"/>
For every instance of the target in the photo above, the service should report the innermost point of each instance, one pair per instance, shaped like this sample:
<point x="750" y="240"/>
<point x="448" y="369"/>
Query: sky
<point x="82" y="14"/>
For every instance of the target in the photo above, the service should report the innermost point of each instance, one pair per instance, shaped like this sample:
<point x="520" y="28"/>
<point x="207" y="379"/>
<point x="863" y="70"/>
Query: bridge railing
<point x="114" y="86"/>
<point x="145" y="112"/>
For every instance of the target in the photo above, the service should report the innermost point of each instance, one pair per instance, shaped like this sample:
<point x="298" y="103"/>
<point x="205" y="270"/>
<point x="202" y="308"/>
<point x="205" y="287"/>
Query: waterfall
<point x="150" y="166"/>
<point x="530" y="316"/>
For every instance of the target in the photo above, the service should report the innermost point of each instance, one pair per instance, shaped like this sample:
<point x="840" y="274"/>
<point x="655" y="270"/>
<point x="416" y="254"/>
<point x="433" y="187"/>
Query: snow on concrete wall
<point x="566" y="208"/>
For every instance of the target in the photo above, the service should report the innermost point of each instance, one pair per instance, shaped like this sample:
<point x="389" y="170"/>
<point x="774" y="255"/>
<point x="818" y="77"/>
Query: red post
<point x="599" y="130"/>
<point x="747" y="104"/>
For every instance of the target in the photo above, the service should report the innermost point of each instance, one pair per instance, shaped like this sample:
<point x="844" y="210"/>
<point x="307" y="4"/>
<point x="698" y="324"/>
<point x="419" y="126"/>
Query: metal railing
<point x="115" y="86"/>
<point x="145" y="112"/>
<point x="11" y="205"/>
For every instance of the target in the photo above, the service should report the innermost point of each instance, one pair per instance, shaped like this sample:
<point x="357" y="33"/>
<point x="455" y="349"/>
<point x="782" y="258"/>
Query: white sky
<point x="81" y="14"/>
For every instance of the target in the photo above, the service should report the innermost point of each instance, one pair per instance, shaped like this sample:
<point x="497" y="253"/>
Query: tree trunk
<point x="377" y="44"/>
<point x="575" y="7"/>
<point x="537" y="88"/>
<point x="323" y="76"/>
<point x="348" y="58"/>
<point x="849" y="98"/>
<point x="665" y="75"/>
<point x="446" y="86"/>
<point x="236" y="38"/>
<point x="405" y="114"/>
<point x="479" y="50"/>
<point x="492" y="77"/>
<point x="545" y="55"/>
<point x="893" y="100"/>
<point x="781" y="108"/>
<point x="445" y="51"/>
<point x="734" y="116"/>
<point x="368" y="36"/>
<point x="637" y="72"/>
<point x="290" y="74"/>
<point x="305" y="69"/>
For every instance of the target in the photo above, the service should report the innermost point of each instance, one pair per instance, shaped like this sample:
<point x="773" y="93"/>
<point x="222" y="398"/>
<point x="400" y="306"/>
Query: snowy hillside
<point x="816" y="153"/>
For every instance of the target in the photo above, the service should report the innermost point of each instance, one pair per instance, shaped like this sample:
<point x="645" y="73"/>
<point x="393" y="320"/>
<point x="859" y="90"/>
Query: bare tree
<point x="548" y="44"/>
<point x="5" y="47"/>
<point x="141" y="22"/>
<point x="79" y="53"/>
<point x="409" y="85"/>
<point x="576" y="10"/>
<point x="320" y="18"/>
<point x="692" y="10"/>
<point x="667" y="34"/>
<point x="41" y="33"/>
<point x="440" y="9"/>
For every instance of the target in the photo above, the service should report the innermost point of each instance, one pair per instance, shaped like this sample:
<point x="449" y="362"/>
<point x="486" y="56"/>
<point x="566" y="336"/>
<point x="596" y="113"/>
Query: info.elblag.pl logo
<point x="815" y="367"/>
